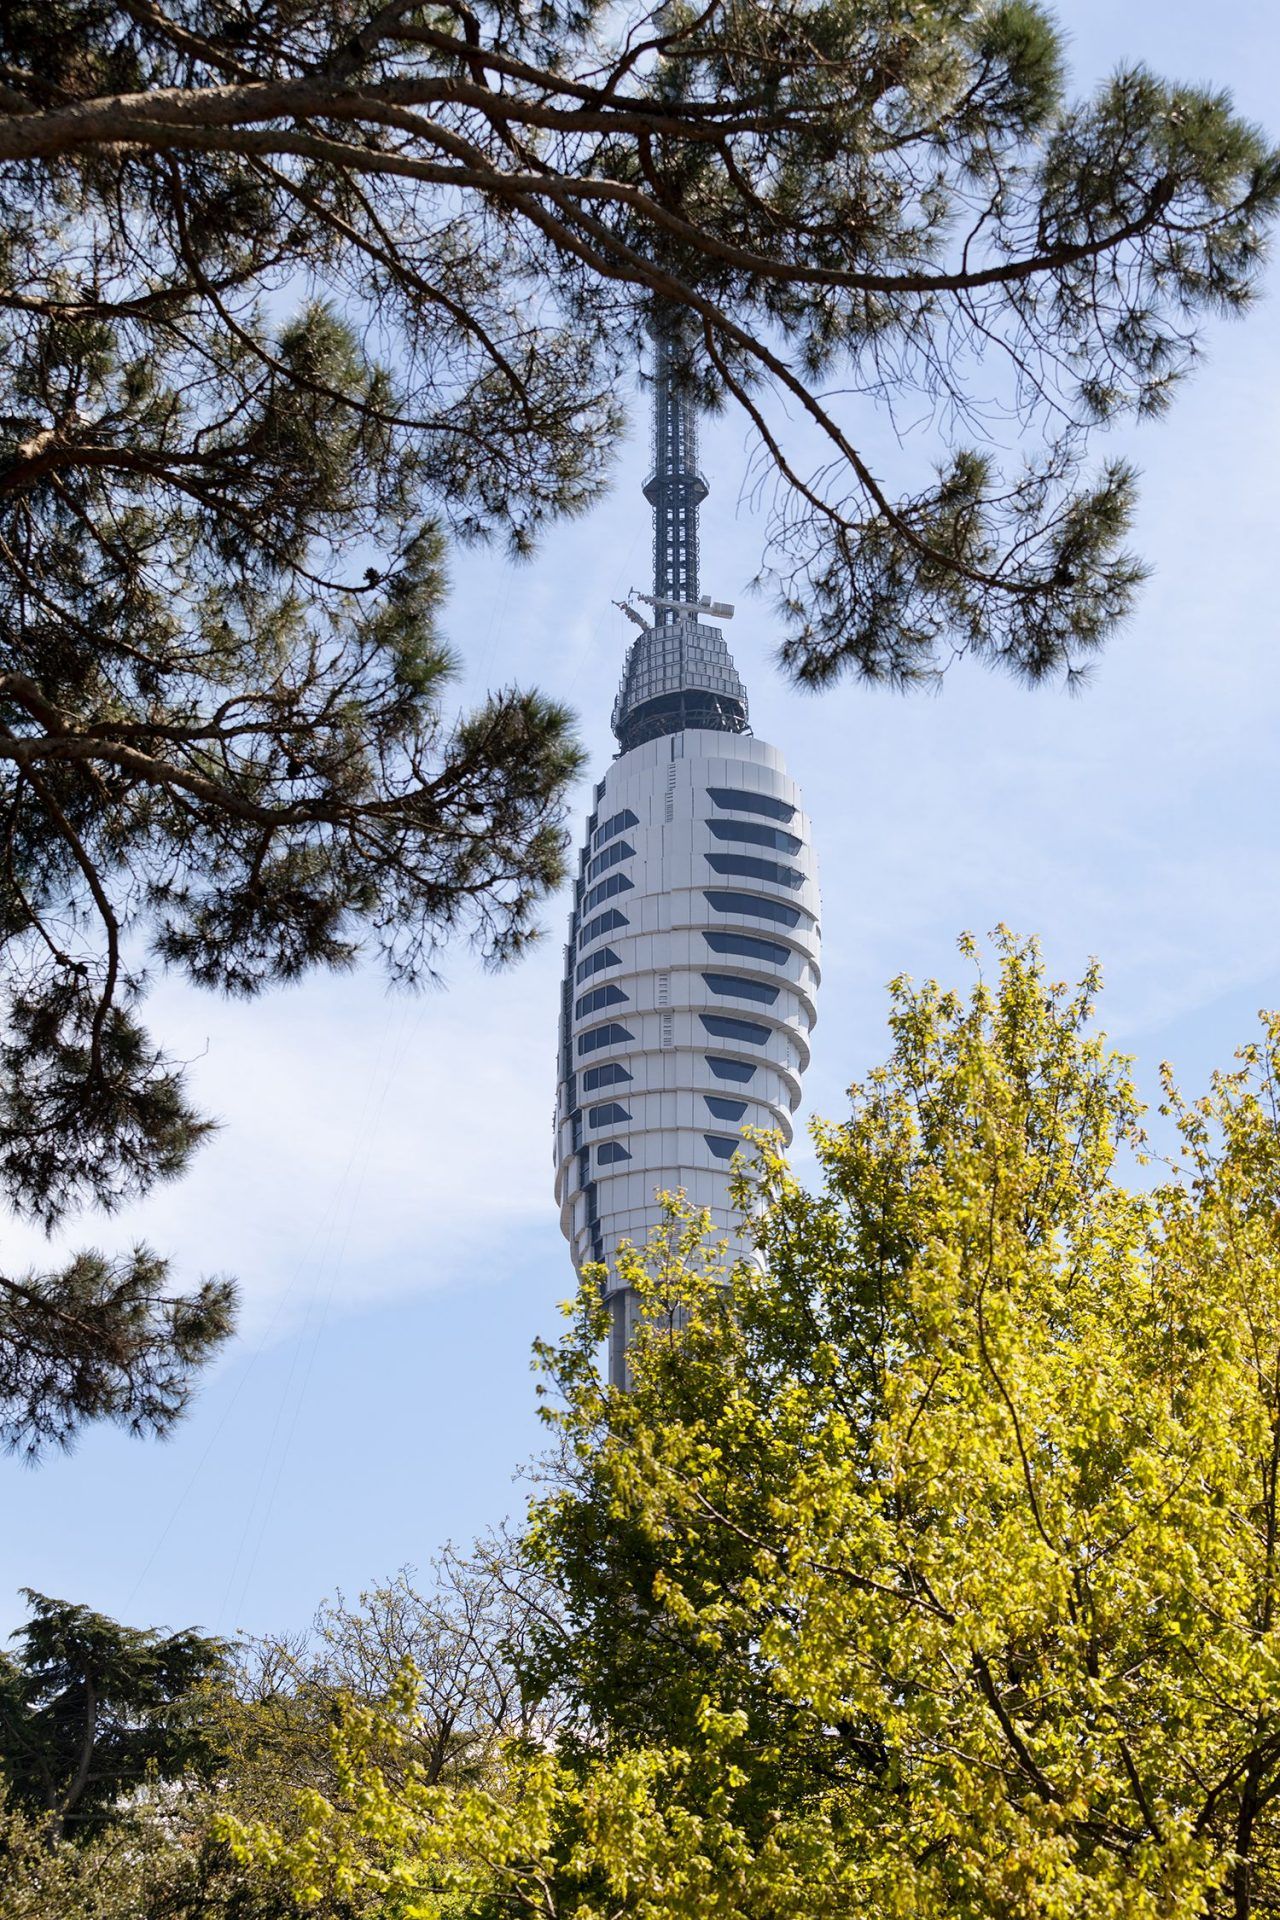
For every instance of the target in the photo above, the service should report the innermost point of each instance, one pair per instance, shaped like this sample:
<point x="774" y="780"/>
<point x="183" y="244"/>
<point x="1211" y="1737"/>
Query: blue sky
<point x="382" y="1183"/>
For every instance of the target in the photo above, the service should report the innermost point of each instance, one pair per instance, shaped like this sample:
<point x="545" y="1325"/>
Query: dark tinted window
<point x="611" y="1151"/>
<point x="757" y="834"/>
<point x="598" y="997"/>
<point x="616" y="824"/>
<point x="609" y="1036"/>
<point x="746" y="943"/>
<point x="622" y="850"/>
<point x="756" y="906"/>
<point x="603" y="923"/>
<point x="722" y="1148"/>
<point x="747" y="864"/>
<point x="740" y="1070"/>
<point x="744" y="989"/>
<point x="603" y="957"/>
<point x="606" y="1115"/>
<point x="611" y="1074"/>
<point x="616" y="883"/>
<point x="743" y="802"/>
<point x="730" y="1029"/>
<point x="725" y="1109"/>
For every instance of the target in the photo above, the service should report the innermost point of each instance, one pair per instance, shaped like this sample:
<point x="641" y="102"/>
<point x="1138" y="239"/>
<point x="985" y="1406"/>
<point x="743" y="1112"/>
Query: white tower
<point x="691" y="970"/>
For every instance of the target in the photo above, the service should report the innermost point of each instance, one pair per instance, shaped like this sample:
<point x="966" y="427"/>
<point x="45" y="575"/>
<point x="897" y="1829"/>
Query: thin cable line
<point x="309" y="1343"/>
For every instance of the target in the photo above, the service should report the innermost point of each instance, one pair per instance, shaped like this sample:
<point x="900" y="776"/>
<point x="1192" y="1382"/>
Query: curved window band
<point x="739" y="800"/>
<point x="621" y="850"/>
<point x="739" y="1070"/>
<point x="616" y="883"/>
<point x="757" y="906"/>
<point x="618" y="824"/>
<point x="604" y="957"/>
<point x="604" y="923"/>
<point x="739" y="986"/>
<point x="611" y="1074"/>
<point x="748" y="946"/>
<point x="750" y="868"/>
<point x="756" y="834"/>
<point x="727" y="1028"/>
<point x="612" y="1035"/>
<point x="598" y="997"/>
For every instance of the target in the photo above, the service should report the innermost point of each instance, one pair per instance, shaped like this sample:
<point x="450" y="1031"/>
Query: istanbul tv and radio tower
<point x="691" y="969"/>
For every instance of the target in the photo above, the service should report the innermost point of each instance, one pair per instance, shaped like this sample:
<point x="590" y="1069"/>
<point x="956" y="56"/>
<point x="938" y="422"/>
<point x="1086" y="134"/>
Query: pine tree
<point x="102" y="1339"/>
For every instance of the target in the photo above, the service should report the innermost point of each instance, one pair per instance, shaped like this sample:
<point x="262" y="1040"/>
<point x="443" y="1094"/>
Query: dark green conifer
<point x="91" y="1712"/>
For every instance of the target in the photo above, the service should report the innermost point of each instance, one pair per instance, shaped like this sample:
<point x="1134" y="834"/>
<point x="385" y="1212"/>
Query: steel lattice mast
<point x="679" y="673"/>
<point x="675" y="489"/>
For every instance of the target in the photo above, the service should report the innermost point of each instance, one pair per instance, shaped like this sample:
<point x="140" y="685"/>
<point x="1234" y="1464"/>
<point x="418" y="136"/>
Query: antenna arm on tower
<point x="718" y="609"/>
<point x="632" y="615"/>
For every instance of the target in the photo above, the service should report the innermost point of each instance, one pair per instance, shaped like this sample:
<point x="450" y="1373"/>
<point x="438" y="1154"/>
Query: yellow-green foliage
<point x="929" y="1569"/>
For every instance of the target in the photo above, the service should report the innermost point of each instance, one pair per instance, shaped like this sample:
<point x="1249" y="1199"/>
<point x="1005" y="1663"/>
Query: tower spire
<point x="675" y="488"/>
<point x="679" y="672"/>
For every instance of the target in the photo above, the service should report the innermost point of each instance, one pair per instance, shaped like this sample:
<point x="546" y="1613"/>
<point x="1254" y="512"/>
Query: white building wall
<point x="654" y="1089"/>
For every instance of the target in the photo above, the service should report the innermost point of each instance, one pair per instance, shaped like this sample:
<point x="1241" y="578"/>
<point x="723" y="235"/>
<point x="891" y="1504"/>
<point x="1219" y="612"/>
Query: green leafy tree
<point x="143" y="1875"/>
<point x="929" y="1569"/>
<point x="92" y="1713"/>
<point x="192" y="1733"/>
<point x="469" y="1634"/>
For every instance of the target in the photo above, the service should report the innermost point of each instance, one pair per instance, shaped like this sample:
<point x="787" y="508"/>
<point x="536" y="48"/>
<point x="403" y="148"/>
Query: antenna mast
<point x="675" y="489"/>
<point x="678" y="672"/>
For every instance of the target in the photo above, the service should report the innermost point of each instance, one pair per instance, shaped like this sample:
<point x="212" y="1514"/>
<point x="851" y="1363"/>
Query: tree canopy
<point x="932" y="1569"/>
<point x="180" y="1731"/>
<point x="830" y="195"/>
<point x="92" y="1712"/>
<point x="102" y="1339"/>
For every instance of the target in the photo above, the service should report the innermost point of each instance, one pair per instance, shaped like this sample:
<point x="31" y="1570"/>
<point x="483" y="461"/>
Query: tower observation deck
<point x="692" y="964"/>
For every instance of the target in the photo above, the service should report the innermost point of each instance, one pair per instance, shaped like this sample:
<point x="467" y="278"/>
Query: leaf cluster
<point x="102" y="1340"/>
<point x="190" y="1739"/>
<point x="928" y="1565"/>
